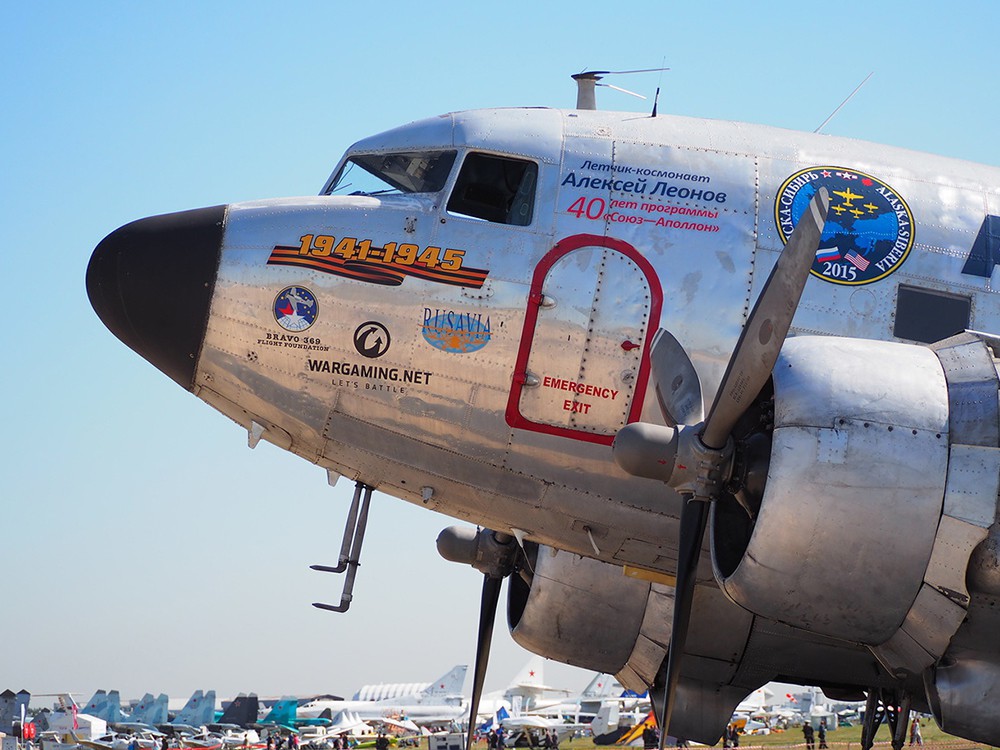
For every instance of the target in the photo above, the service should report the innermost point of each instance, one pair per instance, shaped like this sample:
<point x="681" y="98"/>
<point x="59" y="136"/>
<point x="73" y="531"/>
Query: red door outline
<point x="561" y="248"/>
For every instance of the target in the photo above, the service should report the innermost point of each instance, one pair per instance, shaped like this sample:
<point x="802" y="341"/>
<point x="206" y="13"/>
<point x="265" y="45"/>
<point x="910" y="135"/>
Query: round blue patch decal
<point x="869" y="229"/>
<point x="295" y="308"/>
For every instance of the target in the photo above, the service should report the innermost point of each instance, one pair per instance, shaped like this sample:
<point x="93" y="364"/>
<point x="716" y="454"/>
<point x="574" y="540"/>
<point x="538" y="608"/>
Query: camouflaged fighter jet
<point x="598" y="335"/>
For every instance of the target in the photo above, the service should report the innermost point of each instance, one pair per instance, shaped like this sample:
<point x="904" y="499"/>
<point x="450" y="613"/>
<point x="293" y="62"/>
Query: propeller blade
<point x="694" y="518"/>
<point x="487" y="616"/>
<point x="677" y="385"/>
<point x="765" y="330"/>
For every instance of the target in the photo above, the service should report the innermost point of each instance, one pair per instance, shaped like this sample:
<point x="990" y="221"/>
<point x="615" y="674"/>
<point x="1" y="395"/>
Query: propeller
<point x="487" y="616"/>
<point x="696" y="459"/>
<point x="496" y="555"/>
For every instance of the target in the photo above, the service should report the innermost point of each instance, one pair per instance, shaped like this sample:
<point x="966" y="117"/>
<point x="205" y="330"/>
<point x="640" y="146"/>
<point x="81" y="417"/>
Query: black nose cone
<point x="151" y="284"/>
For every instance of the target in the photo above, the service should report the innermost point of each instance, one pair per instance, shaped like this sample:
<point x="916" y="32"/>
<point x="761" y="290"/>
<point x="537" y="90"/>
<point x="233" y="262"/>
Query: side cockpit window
<point x="495" y="188"/>
<point x="400" y="172"/>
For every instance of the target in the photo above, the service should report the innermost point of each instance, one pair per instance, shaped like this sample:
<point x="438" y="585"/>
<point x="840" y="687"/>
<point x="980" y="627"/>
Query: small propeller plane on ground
<point x="597" y="335"/>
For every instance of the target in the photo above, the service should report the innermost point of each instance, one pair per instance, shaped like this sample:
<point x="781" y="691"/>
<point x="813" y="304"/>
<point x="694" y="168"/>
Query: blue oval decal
<point x="455" y="332"/>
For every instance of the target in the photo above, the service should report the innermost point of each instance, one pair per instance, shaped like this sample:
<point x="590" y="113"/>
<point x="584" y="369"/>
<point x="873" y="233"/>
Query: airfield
<point x="529" y="712"/>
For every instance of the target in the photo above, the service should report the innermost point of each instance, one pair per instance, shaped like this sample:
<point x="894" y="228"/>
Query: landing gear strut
<point x="893" y="706"/>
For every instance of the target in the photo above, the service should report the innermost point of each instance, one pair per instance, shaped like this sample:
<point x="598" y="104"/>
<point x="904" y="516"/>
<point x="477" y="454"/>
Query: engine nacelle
<point x="883" y="478"/>
<point x="963" y="694"/>
<point x="585" y="612"/>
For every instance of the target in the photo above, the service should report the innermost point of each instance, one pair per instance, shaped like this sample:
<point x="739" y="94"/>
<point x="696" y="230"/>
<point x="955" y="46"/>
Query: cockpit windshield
<point x="403" y="172"/>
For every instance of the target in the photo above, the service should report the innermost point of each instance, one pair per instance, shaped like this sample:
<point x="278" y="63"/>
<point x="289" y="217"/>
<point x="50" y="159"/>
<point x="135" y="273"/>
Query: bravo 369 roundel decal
<point x="869" y="229"/>
<point x="295" y="308"/>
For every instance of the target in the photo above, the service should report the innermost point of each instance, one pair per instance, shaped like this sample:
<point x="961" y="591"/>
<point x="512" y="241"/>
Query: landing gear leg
<point x="899" y="718"/>
<point x="893" y="706"/>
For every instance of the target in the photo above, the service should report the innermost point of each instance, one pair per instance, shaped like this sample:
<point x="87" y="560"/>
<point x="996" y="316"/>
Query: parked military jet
<point x="597" y="335"/>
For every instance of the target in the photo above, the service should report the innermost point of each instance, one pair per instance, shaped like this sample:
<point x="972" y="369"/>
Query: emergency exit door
<point x="583" y="361"/>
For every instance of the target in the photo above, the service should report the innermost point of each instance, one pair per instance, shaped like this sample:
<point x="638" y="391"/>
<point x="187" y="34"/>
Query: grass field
<point x="844" y="738"/>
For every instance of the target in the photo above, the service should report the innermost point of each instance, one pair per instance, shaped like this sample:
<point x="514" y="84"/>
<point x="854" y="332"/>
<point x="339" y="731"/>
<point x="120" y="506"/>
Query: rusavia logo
<point x="372" y="339"/>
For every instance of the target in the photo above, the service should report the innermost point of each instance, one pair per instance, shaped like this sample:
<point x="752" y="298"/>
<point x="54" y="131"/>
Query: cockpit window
<point x="404" y="172"/>
<point x="495" y="188"/>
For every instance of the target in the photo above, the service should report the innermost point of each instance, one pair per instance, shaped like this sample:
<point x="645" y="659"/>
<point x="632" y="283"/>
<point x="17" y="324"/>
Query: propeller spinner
<point x="696" y="459"/>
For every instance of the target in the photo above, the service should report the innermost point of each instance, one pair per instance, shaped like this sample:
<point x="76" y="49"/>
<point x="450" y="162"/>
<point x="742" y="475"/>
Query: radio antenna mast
<point x="849" y="97"/>
<point x="587" y="83"/>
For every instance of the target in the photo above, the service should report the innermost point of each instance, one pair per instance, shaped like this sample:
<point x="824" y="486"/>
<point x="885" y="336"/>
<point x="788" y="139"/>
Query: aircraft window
<point x="405" y="172"/>
<point x="928" y="316"/>
<point x="495" y="188"/>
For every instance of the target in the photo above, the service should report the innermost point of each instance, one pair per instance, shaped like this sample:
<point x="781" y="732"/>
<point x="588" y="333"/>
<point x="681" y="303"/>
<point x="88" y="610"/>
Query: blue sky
<point x="144" y="546"/>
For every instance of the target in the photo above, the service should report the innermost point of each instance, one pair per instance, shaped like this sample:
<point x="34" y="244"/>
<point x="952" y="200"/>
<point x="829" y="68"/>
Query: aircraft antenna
<point x="659" y="82"/>
<point x="587" y="83"/>
<point x="849" y="97"/>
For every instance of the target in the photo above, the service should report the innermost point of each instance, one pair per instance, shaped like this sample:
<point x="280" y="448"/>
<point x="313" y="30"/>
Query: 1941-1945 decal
<point x="388" y="264"/>
<point x="869" y="229"/>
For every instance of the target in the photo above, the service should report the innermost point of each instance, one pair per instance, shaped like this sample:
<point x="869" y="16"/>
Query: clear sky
<point x="144" y="546"/>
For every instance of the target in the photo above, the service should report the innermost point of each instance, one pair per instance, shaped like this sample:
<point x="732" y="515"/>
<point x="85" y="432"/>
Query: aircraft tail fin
<point x="7" y="711"/>
<point x="450" y="683"/>
<point x="599" y="687"/>
<point x="67" y="704"/>
<point x="207" y="713"/>
<point x="142" y="711"/>
<point x="104" y="705"/>
<point x="191" y="711"/>
<point x="606" y="720"/>
<point x="282" y="712"/>
<point x="114" y="707"/>
<point x="159" y="712"/>
<point x="530" y="675"/>
<point x="242" y="711"/>
<point x="97" y="704"/>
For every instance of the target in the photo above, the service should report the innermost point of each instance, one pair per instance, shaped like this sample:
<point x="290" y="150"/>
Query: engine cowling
<point x="587" y="613"/>
<point x="883" y="478"/>
<point x="584" y="612"/>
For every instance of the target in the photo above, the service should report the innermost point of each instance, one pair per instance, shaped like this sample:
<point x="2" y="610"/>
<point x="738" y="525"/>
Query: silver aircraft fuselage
<point x="640" y="222"/>
<point x="472" y="335"/>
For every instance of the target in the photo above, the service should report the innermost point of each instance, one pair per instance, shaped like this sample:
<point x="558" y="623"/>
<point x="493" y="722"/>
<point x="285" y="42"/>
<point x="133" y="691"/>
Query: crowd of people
<point x="499" y="739"/>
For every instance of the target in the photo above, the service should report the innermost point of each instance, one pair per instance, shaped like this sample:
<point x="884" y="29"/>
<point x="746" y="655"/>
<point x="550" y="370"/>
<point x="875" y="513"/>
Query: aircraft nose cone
<point x="151" y="282"/>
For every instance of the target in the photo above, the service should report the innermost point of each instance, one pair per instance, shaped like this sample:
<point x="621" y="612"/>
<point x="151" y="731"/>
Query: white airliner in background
<point x="438" y="702"/>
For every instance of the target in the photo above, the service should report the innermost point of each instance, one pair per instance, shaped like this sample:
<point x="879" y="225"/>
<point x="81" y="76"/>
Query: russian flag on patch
<point x="827" y="255"/>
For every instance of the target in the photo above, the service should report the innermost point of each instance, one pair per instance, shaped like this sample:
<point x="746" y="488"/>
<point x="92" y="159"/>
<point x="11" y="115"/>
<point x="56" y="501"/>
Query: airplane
<point x="607" y="341"/>
<point x="602" y="691"/>
<point x="13" y="707"/>
<point x="440" y="702"/>
<point x="105" y="705"/>
<point x="148" y="711"/>
<point x="284" y="713"/>
<point x="69" y="718"/>
<point x="449" y="683"/>
<point x="348" y="722"/>
<point x="241" y="712"/>
<point x="524" y="694"/>
<point x="198" y="712"/>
